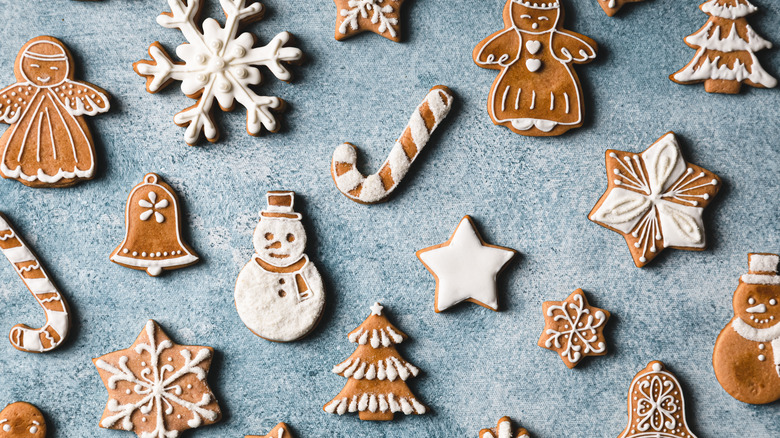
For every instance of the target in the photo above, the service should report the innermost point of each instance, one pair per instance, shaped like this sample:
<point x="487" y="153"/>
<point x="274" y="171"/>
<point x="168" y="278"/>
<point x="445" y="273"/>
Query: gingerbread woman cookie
<point x="22" y="420"/>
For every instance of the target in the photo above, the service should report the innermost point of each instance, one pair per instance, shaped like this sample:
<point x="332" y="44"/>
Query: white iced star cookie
<point x="465" y="268"/>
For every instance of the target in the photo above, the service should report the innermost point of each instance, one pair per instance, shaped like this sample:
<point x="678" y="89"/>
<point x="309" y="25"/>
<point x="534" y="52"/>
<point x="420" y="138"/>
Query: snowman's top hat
<point x="280" y="205"/>
<point x="536" y="4"/>
<point x="762" y="269"/>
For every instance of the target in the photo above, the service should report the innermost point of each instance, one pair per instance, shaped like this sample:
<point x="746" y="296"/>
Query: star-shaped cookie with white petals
<point x="465" y="268"/>
<point x="280" y="431"/>
<point x="378" y="16"/>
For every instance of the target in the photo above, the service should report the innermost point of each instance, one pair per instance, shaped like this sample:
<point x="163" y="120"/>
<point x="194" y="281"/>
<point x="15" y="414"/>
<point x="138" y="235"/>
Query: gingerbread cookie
<point x="280" y="431"/>
<point x="537" y="92"/>
<point x="573" y="328"/>
<point x="22" y="420"/>
<point x="465" y="268"/>
<point x="656" y="406"/>
<point x="655" y="199"/>
<point x="378" y="16"/>
<point x="219" y="65"/>
<point x="153" y="241"/>
<point x="29" y="268"/>
<point x="504" y="430"/>
<point x="377" y="187"/>
<point x="377" y="373"/>
<point x="157" y="388"/>
<point x="48" y="143"/>
<point x="746" y="358"/>
<point x="279" y="293"/>
<point x="725" y="50"/>
<point x="611" y="7"/>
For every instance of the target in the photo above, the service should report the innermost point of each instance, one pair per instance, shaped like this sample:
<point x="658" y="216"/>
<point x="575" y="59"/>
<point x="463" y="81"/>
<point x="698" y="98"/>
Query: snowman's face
<point x="21" y="420"/>
<point x="533" y="20"/>
<point x="279" y="241"/>
<point x="758" y="305"/>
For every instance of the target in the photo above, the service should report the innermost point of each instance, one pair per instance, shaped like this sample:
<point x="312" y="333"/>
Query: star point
<point x="281" y="430"/>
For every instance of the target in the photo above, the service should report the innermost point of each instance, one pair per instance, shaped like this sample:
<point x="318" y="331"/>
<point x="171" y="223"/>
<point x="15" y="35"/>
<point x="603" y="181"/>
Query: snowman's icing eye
<point x="290" y="238"/>
<point x="6" y="428"/>
<point x="751" y="301"/>
<point x="269" y="236"/>
<point x="773" y="301"/>
<point x="34" y="429"/>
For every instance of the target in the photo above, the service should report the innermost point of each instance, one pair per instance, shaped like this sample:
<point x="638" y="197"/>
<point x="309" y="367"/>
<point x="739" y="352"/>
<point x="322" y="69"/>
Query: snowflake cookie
<point x="157" y="388"/>
<point x="22" y="420"/>
<point x="504" y="430"/>
<point x="573" y="328"/>
<point x="218" y="65"/>
<point x="655" y="199"/>
<point x="378" y="16"/>
<point x="280" y="431"/>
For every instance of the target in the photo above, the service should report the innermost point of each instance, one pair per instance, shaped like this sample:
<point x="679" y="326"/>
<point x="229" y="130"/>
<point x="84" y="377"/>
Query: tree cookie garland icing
<point x="153" y="240"/>
<point x="655" y="199"/>
<point x="504" y="430"/>
<point x="611" y="7"/>
<point x="279" y="294"/>
<point x="378" y="16"/>
<point x="219" y="64"/>
<point x="280" y="431"/>
<point x="746" y="358"/>
<point x="48" y="143"/>
<point x="377" y="187"/>
<point x="377" y="373"/>
<point x="725" y="47"/>
<point x="22" y="420"/>
<point x="537" y="92"/>
<point x="157" y="388"/>
<point x="30" y="270"/>
<point x="465" y="268"/>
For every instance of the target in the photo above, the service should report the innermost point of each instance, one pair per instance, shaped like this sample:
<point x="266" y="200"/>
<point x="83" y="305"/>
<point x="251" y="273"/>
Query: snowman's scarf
<point x="771" y="335"/>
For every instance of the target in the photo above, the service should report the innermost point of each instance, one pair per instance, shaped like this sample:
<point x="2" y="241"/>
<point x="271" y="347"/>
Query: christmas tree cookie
<point x="377" y="373"/>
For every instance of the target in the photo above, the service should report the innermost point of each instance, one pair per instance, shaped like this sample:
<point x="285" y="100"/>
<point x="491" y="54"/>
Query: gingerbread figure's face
<point x="44" y="63"/>
<point x="534" y="20"/>
<point x="279" y="241"/>
<point x="22" y="420"/>
<point x="757" y="304"/>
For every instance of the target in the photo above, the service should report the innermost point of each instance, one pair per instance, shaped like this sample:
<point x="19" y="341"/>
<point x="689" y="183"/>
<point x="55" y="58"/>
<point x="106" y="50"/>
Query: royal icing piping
<point x="580" y="336"/>
<point x="376" y="9"/>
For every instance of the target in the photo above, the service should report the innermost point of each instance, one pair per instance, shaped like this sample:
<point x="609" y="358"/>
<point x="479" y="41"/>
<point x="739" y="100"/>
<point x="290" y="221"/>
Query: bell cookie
<point x="280" y="431"/>
<point x="279" y="294"/>
<point x="746" y="357"/>
<point x="655" y="199"/>
<point x="153" y="240"/>
<point x="611" y="7"/>
<point x="48" y="143"/>
<point x="157" y="388"/>
<point x="22" y="420"/>
<point x="376" y="372"/>
<point x="378" y="16"/>
<point x="537" y="92"/>
<point x="504" y="430"/>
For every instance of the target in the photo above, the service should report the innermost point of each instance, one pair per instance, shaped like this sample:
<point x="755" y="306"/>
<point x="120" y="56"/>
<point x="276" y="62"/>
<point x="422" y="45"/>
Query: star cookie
<point x="280" y="431"/>
<point x="611" y="7"/>
<point x="378" y="16"/>
<point x="655" y="199"/>
<point x="573" y="328"/>
<point x="503" y="430"/>
<point x="465" y="268"/>
<point x="157" y="388"/>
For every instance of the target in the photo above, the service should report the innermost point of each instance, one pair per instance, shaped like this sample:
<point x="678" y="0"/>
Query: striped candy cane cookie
<point x="377" y="187"/>
<point x="51" y="335"/>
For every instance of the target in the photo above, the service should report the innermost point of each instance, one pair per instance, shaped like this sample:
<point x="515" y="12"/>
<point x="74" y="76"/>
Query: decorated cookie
<point x="219" y="65"/>
<point x="725" y="50"/>
<point x="280" y="431"/>
<point x="377" y="373"/>
<point x="30" y="270"/>
<point x="656" y="406"/>
<point x="573" y="328"/>
<point x="377" y="187"/>
<point x="504" y="430"/>
<point x="465" y="268"/>
<point x="22" y="420"/>
<point x="157" y="388"/>
<point x="655" y="199"/>
<point x="378" y="16"/>
<point x="153" y="240"/>
<point x="611" y="7"/>
<point x="537" y="92"/>
<point x="747" y="353"/>
<point x="279" y="293"/>
<point x="48" y="143"/>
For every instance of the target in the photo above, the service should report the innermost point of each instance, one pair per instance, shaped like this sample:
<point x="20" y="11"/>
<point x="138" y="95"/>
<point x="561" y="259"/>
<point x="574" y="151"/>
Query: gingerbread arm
<point x="82" y="98"/>
<point x="14" y="100"/>
<point x="498" y="50"/>
<point x="572" y="47"/>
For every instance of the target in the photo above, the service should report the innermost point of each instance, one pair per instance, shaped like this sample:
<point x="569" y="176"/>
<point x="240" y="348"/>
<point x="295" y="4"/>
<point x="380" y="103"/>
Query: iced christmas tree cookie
<point x="153" y="241"/>
<point x="611" y="7"/>
<point x="157" y="388"/>
<point x="280" y="431"/>
<point x="726" y="46"/>
<point x="378" y="16"/>
<point x="219" y="65"/>
<point x="504" y="430"/>
<point x="655" y="199"/>
<point x="377" y="373"/>
<point x="22" y="420"/>
<point x="747" y="353"/>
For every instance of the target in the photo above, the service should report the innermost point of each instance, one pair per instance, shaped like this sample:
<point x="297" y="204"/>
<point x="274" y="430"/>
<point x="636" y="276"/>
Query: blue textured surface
<point x="531" y="194"/>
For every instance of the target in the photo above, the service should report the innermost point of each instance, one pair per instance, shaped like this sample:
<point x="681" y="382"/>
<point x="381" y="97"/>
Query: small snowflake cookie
<point x="157" y="388"/>
<point x="22" y="420"/>
<point x="378" y="16"/>
<point x="656" y="406"/>
<point x="655" y="199"/>
<point x="504" y="430"/>
<point x="611" y="7"/>
<point x="280" y="431"/>
<point x="219" y="65"/>
<point x="573" y="328"/>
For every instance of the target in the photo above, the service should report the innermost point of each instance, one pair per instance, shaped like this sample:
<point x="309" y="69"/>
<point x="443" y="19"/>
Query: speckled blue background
<point x="531" y="194"/>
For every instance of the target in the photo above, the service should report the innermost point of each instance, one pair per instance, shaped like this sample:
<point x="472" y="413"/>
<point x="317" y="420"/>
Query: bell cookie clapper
<point x="746" y="358"/>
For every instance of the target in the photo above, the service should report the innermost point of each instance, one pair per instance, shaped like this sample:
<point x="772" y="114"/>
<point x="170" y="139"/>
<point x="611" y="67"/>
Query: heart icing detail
<point x="533" y="65"/>
<point x="533" y="47"/>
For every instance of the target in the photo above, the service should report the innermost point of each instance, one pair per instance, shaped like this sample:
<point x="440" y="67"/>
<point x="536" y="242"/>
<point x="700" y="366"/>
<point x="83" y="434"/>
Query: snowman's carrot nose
<point x="761" y="308"/>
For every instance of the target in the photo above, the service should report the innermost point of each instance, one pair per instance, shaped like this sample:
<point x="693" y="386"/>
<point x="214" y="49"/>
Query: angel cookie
<point x="537" y="92"/>
<point x="48" y="143"/>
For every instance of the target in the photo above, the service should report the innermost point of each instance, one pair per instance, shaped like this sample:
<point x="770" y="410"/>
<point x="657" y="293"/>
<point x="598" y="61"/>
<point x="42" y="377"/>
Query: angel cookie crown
<point x="537" y="5"/>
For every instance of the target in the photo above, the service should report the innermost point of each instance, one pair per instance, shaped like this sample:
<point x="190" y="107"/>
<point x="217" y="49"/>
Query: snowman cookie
<point x="22" y="420"/>
<point x="747" y="352"/>
<point x="279" y="294"/>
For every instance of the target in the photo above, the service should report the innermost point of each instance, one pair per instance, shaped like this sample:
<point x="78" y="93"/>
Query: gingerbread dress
<point x="537" y="92"/>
